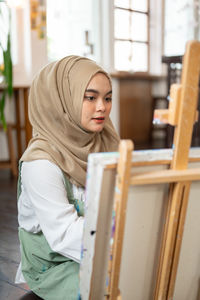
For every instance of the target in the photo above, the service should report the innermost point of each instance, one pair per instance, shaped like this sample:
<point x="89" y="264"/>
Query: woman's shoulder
<point x="39" y="169"/>
<point x="40" y="164"/>
<point x="42" y="172"/>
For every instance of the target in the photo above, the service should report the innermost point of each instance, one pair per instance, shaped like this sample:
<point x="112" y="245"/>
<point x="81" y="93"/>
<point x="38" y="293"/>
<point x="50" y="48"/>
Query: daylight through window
<point x="131" y="36"/>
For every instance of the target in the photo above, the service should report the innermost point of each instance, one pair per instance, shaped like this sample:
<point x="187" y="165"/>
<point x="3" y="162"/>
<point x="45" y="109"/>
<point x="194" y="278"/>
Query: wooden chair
<point x="196" y="129"/>
<point x="12" y="162"/>
<point x="174" y="70"/>
<point x="20" y="98"/>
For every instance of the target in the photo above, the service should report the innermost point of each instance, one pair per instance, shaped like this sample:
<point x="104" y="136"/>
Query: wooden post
<point x="120" y="200"/>
<point x="18" y="122"/>
<point x="13" y="162"/>
<point x="178" y="195"/>
<point x="28" y="127"/>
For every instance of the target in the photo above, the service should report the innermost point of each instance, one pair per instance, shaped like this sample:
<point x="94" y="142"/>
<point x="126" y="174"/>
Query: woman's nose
<point x="101" y="105"/>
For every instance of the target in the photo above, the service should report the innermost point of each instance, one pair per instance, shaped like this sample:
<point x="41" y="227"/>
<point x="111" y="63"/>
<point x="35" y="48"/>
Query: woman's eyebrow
<point x="110" y="92"/>
<point x="91" y="91"/>
<point x="96" y="92"/>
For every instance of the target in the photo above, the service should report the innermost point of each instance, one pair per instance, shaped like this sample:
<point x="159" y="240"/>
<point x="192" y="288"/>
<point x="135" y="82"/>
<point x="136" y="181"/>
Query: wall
<point x="31" y="53"/>
<point x="67" y="23"/>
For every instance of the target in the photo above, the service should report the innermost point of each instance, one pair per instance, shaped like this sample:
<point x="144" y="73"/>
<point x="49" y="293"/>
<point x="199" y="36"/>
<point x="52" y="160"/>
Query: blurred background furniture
<point x="12" y="162"/>
<point x="18" y="132"/>
<point x="174" y="69"/>
<point x="135" y="106"/>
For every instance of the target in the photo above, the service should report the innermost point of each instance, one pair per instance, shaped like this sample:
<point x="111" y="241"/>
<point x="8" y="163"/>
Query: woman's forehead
<point x="99" y="81"/>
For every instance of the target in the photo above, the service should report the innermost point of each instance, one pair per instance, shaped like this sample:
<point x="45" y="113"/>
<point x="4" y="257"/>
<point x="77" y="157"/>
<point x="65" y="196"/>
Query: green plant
<point x="6" y="69"/>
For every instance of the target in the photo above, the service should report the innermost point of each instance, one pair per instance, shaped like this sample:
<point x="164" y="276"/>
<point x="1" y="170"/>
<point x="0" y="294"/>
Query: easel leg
<point x="179" y="235"/>
<point x="120" y="200"/>
<point x="169" y="237"/>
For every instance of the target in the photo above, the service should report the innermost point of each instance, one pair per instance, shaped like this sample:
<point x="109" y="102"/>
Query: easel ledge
<point x="141" y="158"/>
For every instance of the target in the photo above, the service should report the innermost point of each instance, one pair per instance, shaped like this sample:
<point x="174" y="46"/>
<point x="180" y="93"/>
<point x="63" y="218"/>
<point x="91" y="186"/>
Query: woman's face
<point x="97" y="103"/>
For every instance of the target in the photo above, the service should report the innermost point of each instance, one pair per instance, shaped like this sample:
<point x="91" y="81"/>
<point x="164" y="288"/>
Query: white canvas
<point x="144" y="222"/>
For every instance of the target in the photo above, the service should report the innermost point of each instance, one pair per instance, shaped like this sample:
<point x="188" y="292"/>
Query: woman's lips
<point x="99" y="120"/>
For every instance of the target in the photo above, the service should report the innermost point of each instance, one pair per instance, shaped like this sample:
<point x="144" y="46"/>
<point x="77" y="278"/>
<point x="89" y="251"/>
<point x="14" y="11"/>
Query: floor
<point x="9" y="244"/>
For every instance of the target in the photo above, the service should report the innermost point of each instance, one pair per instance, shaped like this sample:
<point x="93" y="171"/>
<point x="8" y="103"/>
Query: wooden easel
<point x="181" y="114"/>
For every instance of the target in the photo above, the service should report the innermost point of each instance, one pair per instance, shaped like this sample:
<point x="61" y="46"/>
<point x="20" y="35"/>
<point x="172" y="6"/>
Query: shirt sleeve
<point x="43" y="182"/>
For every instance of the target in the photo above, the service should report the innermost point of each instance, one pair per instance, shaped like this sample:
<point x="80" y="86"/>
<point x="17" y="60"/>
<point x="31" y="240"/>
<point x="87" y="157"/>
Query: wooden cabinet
<point x="136" y="107"/>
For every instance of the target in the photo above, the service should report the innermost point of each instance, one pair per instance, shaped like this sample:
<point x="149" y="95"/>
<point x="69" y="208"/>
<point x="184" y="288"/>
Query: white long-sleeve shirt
<point x="43" y="205"/>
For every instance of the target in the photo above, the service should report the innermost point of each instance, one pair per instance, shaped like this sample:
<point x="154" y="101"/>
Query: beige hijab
<point x="55" y="106"/>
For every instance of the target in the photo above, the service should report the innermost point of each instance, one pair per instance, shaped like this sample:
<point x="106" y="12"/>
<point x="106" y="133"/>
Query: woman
<point x="69" y="106"/>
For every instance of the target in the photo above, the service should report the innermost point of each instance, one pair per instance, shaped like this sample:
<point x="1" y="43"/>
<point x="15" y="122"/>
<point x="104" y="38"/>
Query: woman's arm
<point x="43" y="185"/>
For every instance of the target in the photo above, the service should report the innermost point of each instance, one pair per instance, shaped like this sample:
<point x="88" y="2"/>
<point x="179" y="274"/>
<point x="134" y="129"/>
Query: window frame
<point x="131" y="40"/>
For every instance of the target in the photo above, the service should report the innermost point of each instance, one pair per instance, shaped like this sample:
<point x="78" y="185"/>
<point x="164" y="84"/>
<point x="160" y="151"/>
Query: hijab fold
<point x="55" y="106"/>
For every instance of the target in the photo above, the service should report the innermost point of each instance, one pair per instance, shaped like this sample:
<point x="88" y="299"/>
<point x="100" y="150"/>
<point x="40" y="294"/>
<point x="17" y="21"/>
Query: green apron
<point x="48" y="274"/>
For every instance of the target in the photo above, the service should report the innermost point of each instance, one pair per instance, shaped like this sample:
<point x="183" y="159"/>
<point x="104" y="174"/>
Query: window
<point x="131" y="35"/>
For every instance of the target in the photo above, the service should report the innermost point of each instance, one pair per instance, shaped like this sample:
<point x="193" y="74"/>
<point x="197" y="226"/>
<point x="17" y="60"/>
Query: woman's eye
<point x="90" y="98"/>
<point x="108" y="99"/>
